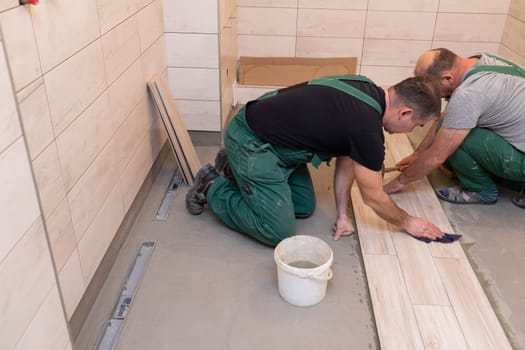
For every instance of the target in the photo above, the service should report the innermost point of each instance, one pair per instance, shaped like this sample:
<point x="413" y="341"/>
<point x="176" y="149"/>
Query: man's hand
<point x="405" y="162"/>
<point x="393" y="186"/>
<point x="419" y="227"/>
<point x="343" y="227"/>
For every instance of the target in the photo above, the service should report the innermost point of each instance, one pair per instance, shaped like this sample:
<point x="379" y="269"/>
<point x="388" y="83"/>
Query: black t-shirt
<point x="322" y="119"/>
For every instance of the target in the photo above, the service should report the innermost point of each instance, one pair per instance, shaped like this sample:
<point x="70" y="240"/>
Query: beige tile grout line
<point x="424" y="296"/>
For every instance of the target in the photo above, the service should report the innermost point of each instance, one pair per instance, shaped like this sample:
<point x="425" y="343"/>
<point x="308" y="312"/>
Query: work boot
<point x="222" y="164"/>
<point x="196" y="195"/>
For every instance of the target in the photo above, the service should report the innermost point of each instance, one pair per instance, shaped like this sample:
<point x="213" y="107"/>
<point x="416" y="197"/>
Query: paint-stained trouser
<point x="484" y="159"/>
<point x="271" y="186"/>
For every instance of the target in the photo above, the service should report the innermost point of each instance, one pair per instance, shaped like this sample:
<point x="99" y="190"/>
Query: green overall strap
<point x="512" y="69"/>
<point x="335" y="82"/>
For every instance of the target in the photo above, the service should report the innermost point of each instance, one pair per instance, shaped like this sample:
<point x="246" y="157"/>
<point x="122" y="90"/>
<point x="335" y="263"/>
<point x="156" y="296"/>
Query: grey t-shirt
<point x="490" y="100"/>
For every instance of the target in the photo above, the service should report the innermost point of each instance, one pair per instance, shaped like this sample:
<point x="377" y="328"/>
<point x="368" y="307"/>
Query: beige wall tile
<point x="26" y="277"/>
<point x="517" y="9"/>
<point x="126" y="92"/>
<point x="392" y="52"/>
<point x="266" y="45"/>
<point x="48" y="179"/>
<point x="469" y="27"/>
<point x="18" y="200"/>
<point x="386" y="76"/>
<point x="192" y="50"/>
<point x="99" y="235"/>
<point x="467" y="48"/>
<point x="334" y="4"/>
<point x="400" y="25"/>
<point x="151" y="26"/>
<point x="244" y="94"/>
<point x="34" y="113"/>
<point x="132" y="129"/>
<point x="200" y="115"/>
<point x="121" y="47"/>
<point x="268" y="3"/>
<point x="72" y="283"/>
<point x="474" y="6"/>
<point x="48" y="329"/>
<point x="194" y="84"/>
<point x="135" y="173"/>
<point x="514" y="35"/>
<point x="68" y="100"/>
<point x="8" y="4"/>
<point x="80" y="143"/>
<point x="20" y="46"/>
<point x="92" y="189"/>
<point x="137" y="5"/>
<point x="154" y="59"/>
<point x="61" y="235"/>
<point x="62" y="28"/>
<point x="403" y="5"/>
<point x="331" y="23"/>
<point x="329" y="47"/>
<point x="10" y="129"/>
<point x="252" y="20"/>
<point x="180" y="15"/>
<point x="511" y="55"/>
<point x="112" y="12"/>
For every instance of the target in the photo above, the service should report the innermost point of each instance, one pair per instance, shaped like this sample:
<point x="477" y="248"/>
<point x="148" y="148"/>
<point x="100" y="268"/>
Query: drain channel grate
<point x="169" y="195"/>
<point x="120" y="311"/>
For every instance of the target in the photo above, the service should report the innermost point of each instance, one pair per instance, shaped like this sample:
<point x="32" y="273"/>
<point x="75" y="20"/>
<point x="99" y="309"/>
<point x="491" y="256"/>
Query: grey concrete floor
<point x="208" y="287"/>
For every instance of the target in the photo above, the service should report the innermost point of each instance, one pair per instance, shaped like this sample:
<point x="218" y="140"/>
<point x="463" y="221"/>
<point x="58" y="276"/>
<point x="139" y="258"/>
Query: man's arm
<point x="446" y="142"/>
<point x="371" y="186"/>
<point x="343" y="179"/>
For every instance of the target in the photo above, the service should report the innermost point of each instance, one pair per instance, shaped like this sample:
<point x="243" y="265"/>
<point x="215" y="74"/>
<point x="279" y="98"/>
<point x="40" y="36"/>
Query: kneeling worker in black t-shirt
<point x="260" y="182"/>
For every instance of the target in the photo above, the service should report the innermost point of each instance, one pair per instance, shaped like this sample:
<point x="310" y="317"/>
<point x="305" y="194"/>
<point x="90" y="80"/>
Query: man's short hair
<point x="443" y="60"/>
<point x="422" y="94"/>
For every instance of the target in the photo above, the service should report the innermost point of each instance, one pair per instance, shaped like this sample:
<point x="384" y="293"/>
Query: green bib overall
<point x="272" y="185"/>
<point x="485" y="158"/>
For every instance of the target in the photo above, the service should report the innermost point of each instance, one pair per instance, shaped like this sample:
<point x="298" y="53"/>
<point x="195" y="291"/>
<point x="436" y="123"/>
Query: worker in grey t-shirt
<point x="482" y="136"/>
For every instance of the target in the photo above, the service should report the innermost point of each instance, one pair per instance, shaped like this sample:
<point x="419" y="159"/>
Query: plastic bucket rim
<point x="313" y="272"/>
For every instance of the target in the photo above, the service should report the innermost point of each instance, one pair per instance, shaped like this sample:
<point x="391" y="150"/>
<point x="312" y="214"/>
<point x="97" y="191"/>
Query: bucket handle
<point x="321" y="277"/>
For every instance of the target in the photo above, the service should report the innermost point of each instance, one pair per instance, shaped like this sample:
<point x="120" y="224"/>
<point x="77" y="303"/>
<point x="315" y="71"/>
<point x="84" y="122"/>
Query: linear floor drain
<point x="169" y="195"/>
<point x="120" y="311"/>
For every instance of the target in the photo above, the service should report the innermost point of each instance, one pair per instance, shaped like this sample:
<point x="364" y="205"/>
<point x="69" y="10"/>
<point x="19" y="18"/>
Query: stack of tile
<point x="178" y="136"/>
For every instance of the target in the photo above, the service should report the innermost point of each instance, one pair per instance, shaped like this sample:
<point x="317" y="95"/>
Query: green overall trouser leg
<point x="485" y="158"/>
<point x="271" y="186"/>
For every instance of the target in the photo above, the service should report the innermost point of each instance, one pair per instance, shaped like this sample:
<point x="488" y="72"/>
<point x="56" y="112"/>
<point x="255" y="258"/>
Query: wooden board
<point x="178" y="136"/>
<point x="424" y="296"/>
<point x="286" y="71"/>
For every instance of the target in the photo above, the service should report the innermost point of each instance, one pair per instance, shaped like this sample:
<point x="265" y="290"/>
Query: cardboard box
<point x="285" y="71"/>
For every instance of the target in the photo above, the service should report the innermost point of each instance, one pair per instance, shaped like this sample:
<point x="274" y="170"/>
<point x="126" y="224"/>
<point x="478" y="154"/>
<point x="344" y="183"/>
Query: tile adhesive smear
<point x="303" y="269"/>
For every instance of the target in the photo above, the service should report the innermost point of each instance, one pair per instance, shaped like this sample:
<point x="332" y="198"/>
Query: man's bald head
<point x="435" y="62"/>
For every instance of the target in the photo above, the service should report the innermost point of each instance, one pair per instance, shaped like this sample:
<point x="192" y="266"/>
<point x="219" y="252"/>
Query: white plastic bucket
<point x="303" y="269"/>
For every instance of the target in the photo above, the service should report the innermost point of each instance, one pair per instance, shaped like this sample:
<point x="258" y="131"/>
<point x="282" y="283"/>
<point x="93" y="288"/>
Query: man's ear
<point x="447" y="79"/>
<point x="405" y="112"/>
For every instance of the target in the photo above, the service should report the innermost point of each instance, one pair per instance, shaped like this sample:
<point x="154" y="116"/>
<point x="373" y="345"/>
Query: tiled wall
<point x="193" y="73"/>
<point x="513" y="40"/>
<point x="386" y="36"/>
<point x="31" y="313"/>
<point x="201" y="41"/>
<point x="78" y="71"/>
